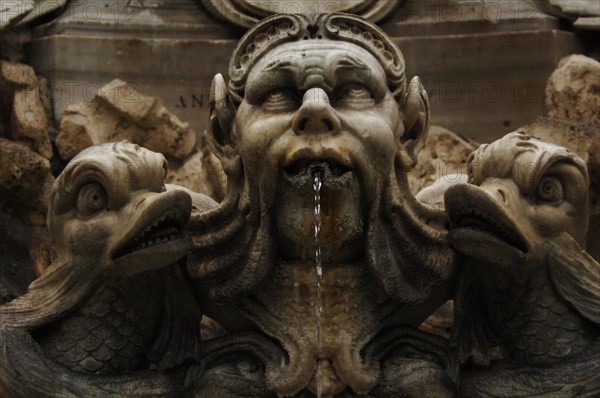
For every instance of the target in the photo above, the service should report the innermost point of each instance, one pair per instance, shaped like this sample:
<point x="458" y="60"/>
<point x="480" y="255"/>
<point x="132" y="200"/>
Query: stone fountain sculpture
<point x="319" y="262"/>
<point x="526" y="284"/>
<point x="329" y="96"/>
<point x="113" y="301"/>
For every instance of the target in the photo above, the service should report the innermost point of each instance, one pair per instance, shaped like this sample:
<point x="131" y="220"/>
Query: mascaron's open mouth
<point x="313" y="166"/>
<point x="166" y="228"/>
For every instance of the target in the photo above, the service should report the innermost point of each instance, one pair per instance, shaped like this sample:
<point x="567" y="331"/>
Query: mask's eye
<point x="280" y="101"/>
<point x="354" y="93"/>
<point x="550" y="190"/>
<point x="91" y="199"/>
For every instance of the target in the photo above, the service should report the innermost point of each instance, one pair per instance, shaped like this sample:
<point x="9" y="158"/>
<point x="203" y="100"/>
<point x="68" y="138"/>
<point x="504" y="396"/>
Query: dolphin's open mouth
<point x="477" y="221"/>
<point x="166" y="228"/>
<point x="482" y="227"/>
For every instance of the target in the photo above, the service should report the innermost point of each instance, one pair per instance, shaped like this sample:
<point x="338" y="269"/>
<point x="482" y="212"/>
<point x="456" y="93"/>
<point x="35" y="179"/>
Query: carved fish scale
<point x="110" y="333"/>
<point x="535" y="324"/>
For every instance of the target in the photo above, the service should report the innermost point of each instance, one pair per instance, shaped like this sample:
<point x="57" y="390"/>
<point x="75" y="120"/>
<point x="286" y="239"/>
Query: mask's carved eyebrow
<point x="273" y="75"/>
<point x="349" y="61"/>
<point x="281" y="65"/>
<point x="350" y="68"/>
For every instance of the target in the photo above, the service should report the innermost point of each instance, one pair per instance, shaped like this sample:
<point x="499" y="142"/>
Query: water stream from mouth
<point x="317" y="184"/>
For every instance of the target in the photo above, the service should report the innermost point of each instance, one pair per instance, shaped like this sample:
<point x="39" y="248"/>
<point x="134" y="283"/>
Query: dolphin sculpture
<point x="527" y="287"/>
<point x="112" y="313"/>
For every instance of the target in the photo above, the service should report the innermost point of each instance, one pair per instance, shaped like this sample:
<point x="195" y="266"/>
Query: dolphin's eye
<point x="91" y="199"/>
<point x="550" y="189"/>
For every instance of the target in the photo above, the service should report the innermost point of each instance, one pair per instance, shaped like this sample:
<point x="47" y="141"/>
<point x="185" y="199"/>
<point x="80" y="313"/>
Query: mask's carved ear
<point x="416" y="123"/>
<point x="222" y="116"/>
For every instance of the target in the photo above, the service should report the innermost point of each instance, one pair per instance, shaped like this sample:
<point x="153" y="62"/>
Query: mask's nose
<point x="316" y="116"/>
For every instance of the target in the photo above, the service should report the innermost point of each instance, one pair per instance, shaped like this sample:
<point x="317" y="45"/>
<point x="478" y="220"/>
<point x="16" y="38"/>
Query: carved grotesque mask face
<point x="318" y="107"/>
<point x="321" y="97"/>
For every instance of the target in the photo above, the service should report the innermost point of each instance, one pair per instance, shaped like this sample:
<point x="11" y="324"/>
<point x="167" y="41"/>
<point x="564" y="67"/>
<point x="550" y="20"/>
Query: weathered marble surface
<point x="118" y="112"/>
<point x="23" y="117"/>
<point x="497" y="42"/>
<point x="246" y="13"/>
<point x="526" y="284"/>
<point x="113" y="304"/>
<point x="21" y="12"/>
<point x="338" y="103"/>
<point x="583" y="14"/>
<point x="572" y="92"/>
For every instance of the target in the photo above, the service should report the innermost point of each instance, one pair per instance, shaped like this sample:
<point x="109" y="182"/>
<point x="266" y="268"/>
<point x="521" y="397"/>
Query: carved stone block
<point x="29" y="124"/>
<point x="14" y="76"/>
<point x="496" y="42"/>
<point x="23" y="172"/>
<point x="445" y="155"/>
<point x="119" y="112"/>
<point x="573" y="90"/>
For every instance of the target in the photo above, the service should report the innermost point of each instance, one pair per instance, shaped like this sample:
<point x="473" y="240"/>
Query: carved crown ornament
<point x="284" y="28"/>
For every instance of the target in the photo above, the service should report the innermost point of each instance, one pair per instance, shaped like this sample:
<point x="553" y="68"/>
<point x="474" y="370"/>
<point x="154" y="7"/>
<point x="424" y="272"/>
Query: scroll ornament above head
<point x="246" y="13"/>
<point x="583" y="14"/>
<point x="285" y="28"/>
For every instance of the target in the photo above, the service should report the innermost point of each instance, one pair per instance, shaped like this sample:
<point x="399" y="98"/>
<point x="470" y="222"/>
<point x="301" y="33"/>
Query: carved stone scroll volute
<point x="247" y="13"/>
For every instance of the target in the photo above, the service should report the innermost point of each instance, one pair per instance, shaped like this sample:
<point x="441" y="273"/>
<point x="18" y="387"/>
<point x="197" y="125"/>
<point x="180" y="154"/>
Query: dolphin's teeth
<point x="479" y="221"/>
<point x="165" y="228"/>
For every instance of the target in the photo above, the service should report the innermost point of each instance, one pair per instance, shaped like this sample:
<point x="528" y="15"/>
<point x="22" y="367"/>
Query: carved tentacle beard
<point x="406" y="242"/>
<point x="234" y="250"/>
<point x="232" y="245"/>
